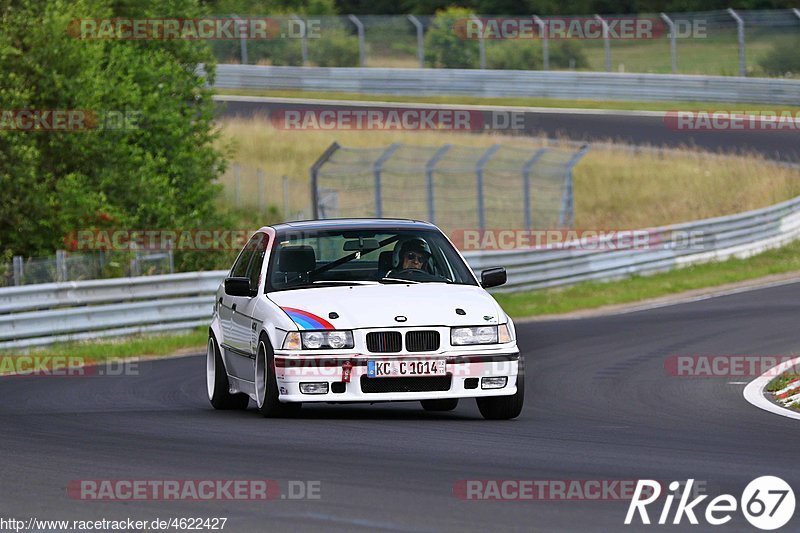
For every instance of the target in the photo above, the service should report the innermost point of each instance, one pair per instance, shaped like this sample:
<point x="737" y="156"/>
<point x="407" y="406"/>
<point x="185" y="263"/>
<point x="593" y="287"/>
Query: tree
<point x="157" y="171"/>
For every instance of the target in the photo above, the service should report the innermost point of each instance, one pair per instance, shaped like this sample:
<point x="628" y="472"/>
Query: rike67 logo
<point x="767" y="503"/>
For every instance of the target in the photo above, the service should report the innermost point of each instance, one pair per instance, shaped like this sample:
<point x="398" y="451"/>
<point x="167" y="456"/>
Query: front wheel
<point x="267" y="386"/>
<point x="503" y="407"/>
<point x="217" y="384"/>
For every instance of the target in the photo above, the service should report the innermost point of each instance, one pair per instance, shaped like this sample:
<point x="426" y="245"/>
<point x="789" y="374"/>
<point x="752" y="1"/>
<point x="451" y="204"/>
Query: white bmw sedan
<point x="360" y="310"/>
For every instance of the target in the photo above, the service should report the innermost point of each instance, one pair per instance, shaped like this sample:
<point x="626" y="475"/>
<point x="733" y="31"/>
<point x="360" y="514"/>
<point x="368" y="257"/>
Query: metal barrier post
<point x="526" y="185"/>
<point x="481" y="165"/>
<point x="237" y="184"/>
<point x="566" y="218"/>
<point x="673" y="46"/>
<point x="261" y="188"/>
<point x="376" y="170"/>
<point x="429" y="167"/>
<point x="606" y="42"/>
<point x="242" y="25"/>
<point x="362" y="45"/>
<point x="314" y="174"/>
<point x="61" y="265"/>
<point x="545" y="42"/>
<point x="481" y="43"/>
<point x="19" y="270"/>
<point x="740" y="37"/>
<point x="303" y="38"/>
<point x="420" y="40"/>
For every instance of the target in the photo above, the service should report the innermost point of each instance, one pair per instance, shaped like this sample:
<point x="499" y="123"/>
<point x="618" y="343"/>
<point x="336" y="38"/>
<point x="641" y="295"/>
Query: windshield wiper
<point x="343" y="282"/>
<point x="398" y="280"/>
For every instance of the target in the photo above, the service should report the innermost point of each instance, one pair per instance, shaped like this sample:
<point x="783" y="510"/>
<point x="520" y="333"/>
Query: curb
<point x="755" y="394"/>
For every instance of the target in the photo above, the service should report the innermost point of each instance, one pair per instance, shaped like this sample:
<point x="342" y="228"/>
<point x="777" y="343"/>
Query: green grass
<point x="781" y="381"/>
<point x="591" y="295"/>
<point x="557" y="103"/>
<point x="132" y="346"/>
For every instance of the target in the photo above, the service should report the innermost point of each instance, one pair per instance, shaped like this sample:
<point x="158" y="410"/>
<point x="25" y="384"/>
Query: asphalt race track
<point x="600" y="405"/>
<point x="637" y="128"/>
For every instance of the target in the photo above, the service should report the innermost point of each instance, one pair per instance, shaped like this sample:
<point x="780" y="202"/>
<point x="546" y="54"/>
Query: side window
<point x="258" y="261"/>
<point x="239" y="269"/>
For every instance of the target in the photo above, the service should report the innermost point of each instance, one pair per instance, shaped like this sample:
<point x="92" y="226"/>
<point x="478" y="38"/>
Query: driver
<point x="414" y="254"/>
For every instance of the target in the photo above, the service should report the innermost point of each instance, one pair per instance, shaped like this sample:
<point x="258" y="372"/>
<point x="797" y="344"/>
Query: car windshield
<point x="304" y="259"/>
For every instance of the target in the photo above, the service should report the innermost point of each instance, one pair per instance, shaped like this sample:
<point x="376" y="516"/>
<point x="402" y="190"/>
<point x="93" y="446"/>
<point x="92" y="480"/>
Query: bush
<point x="514" y="55"/>
<point x="782" y="59"/>
<point x="335" y="48"/>
<point x="446" y="46"/>
<point x="562" y="51"/>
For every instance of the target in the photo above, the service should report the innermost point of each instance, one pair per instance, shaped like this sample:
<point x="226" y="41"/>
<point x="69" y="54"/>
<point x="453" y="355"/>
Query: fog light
<point x="314" y="388"/>
<point x="494" y="383"/>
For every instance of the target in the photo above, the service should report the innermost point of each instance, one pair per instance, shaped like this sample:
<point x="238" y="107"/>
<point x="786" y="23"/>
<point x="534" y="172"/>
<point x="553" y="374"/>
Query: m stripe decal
<point x="306" y="320"/>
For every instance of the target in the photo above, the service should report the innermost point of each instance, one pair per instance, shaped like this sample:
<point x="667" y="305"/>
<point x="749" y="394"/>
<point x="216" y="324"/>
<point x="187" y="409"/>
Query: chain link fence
<point x="455" y="187"/>
<point x="725" y="42"/>
<point x="247" y="187"/>
<point x="67" y="266"/>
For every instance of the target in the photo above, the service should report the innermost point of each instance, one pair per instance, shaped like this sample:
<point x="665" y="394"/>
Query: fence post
<point x="429" y="168"/>
<point x="19" y="270"/>
<point x="796" y="12"/>
<point x="376" y="170"/>
<point x="420" y="40"/>
<point x="362" y="45"/>
<point x="237" y="184"/>
<point x="481" y="165"/>
<point x="303" y="38"/>
<point x="286" y="197"/>
<point x="606" y="42"/>
<point x="740" y="38"/>
<point x="242" y="27"/>
<point x="526" y="185"/>
<point x="61" y="265"/>
<point x="566" y="218"/>
<point x="545" y="42"/>
<point x="262" y="203"/>
<point x="314" y="174"/>
<point x="673" y="46"/>
<point x="481" y="43"/>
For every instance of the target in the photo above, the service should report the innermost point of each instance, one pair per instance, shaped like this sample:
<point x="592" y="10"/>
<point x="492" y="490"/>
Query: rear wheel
<point x="267" y="385"/>
<point x="217" y="384"/>
<point x="446" y="404"/>
<point x="504" y="407"/>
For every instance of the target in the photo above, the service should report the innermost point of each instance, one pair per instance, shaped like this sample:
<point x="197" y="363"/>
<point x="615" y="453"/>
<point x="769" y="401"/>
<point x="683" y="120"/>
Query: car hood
<point x="375" y="306"/>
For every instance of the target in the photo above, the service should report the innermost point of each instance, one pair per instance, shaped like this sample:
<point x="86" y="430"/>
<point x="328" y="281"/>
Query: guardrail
<point x="53" y="312"/>
<point x="512" y="83"/>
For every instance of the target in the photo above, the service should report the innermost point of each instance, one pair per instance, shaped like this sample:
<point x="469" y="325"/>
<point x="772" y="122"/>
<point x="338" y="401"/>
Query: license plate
<point x="409" y="367"/>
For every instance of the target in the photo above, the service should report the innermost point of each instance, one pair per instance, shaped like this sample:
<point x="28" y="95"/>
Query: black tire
<point x="446" y="404"/>
<point x="267" y="386"/>
<point x="217" y="385"/>
<point x="504" y="407"/>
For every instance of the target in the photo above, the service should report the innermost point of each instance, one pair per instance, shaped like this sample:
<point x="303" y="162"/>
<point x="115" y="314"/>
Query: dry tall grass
<point x="614" y="186"/>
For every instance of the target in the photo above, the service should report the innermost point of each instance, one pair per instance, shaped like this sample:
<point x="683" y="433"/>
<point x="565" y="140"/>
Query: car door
<point x="245" y="323"/>
<point x="236" y="340"/>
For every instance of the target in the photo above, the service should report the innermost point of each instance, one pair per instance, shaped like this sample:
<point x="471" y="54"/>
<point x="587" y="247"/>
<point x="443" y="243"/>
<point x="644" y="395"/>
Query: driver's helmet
<point x="416" y="245"/>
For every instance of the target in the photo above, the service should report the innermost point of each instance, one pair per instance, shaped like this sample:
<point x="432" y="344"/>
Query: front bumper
<point x="464" y="373"/>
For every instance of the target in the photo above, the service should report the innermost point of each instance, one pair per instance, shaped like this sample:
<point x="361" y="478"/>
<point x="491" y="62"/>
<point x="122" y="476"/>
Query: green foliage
<point x="514" y="55"/>
<point x="446" y="43"/>
<point x="566" y="50"/>
<point x="782" y="59"/>
<point x="157" y="172"/>
<point x="335" y="48"/>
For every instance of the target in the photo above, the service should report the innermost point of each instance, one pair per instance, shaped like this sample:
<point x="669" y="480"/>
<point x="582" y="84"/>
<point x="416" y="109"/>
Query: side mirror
<point x="238" y="287"/>
<point x="493" y="277"/>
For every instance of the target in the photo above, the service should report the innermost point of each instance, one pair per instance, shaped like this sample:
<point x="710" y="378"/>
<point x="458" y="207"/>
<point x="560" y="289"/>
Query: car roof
<point x="354" y="224"/>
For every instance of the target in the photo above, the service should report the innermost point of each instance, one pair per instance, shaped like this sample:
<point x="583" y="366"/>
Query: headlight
<point x="473" y="335"/>
<point x="315" y="340"/>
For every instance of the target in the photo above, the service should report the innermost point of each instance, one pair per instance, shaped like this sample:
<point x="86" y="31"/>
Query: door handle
<point x="233" y="307"/>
